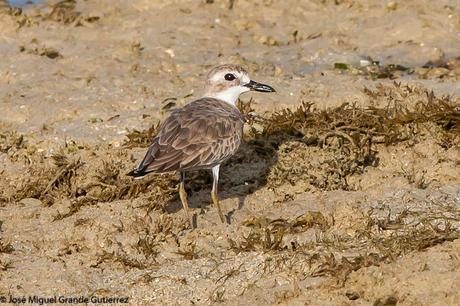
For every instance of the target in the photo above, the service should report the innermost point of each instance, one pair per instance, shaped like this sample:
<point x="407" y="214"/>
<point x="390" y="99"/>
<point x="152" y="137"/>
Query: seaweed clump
<point x="442" y="68"/>
<point x="344" y="140"/>
<point x="47" y="183"/>
<point x="328" y="251"/>
<point x="390" y="124"/>
<point x="374" y="69"/>
<point x="63" y="11"/>
<point x="108" y="182"/>
<point x="87" y="180"/>
<point x="143" y="138"/>
<point x="269" y="235"/>
<point x="10" y="142"/>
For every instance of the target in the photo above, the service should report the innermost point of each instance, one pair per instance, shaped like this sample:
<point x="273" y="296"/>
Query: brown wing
<point x="200" y="135"/>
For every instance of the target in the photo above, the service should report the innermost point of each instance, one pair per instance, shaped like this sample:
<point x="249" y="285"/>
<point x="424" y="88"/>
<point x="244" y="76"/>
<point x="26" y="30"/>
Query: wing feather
<point x="200" y="135"/>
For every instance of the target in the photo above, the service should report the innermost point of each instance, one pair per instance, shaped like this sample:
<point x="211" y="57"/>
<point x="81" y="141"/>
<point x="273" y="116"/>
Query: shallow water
<point x="19" y="3"/>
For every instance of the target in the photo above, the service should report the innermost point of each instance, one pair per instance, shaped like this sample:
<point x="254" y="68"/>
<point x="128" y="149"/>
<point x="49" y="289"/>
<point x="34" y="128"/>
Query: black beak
<point x="259" y="87"/>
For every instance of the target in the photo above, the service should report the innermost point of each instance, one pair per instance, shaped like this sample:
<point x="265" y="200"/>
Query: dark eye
<point x="229" y="77"/>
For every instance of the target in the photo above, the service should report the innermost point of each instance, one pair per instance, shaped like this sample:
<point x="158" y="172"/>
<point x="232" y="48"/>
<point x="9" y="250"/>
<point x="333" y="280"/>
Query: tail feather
<point x="137" y="173"/>
<point x="149" y="157"/>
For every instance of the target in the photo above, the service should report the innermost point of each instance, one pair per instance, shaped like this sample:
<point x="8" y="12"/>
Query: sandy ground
<point x="311" y="222"/>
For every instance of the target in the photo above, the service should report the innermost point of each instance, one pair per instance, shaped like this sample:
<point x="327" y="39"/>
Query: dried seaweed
<point x="380" y="240"/>
<point x="441" y="68"/>
<point x="152" y="234"/>
<point x="84" y="183"/>
<point x="374" y="69"/>
<point x="122" y="258"/>
<point x="188" y="252"/>
<point x="11" y="141"/>
<point x="148" y="246"/>
<point x="348" y="135"/>
<point x="5" y="265"/>
<point x="141" y="138"/>
<point x="111" y="183"/>
<point x="48" y="183"/>
<point x="382" y="124"/>
<point x="5" y="246"/>
<point x="62" y="12"/>
<point x="267" y="235"/>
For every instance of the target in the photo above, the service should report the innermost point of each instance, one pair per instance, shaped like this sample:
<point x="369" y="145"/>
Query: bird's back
<point x="200" y="135"/>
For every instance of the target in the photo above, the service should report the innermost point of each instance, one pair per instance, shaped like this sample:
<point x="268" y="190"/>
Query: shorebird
<point x="202" y="134"/>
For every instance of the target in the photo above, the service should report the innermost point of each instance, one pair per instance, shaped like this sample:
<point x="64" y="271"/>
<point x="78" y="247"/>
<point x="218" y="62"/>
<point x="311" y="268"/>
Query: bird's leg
<point x="183" y="198"/>
<point x="215" y="199"/>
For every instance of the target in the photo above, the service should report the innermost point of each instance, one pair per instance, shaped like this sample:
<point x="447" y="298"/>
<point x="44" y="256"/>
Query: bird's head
<point x="228" y="82"/>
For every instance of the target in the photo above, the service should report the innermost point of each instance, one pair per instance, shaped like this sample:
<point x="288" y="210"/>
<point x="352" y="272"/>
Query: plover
<point x="202" y="134"/>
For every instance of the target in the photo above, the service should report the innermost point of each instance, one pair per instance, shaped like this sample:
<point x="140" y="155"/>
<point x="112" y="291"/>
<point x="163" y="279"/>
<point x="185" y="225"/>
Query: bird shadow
<point x="241" y="175"/>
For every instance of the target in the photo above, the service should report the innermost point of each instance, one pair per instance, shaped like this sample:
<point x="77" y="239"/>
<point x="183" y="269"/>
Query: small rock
<point x="351" y="295"/>
<point x="392" y="5"/>
<point x="386" y="301"/>
<point x="365" y="63"/>
<point x="50" y="53"/>
<point x="31" y="202"/>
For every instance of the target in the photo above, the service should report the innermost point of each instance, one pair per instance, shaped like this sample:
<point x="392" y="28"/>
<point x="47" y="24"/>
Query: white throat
<point x="229" y="95"/>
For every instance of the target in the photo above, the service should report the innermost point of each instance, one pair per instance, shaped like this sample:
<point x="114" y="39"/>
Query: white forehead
<point x="220" y="76"/>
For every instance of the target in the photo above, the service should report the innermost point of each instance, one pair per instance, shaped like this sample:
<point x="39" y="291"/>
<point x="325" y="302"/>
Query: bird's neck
<point x="229" y="95"/>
